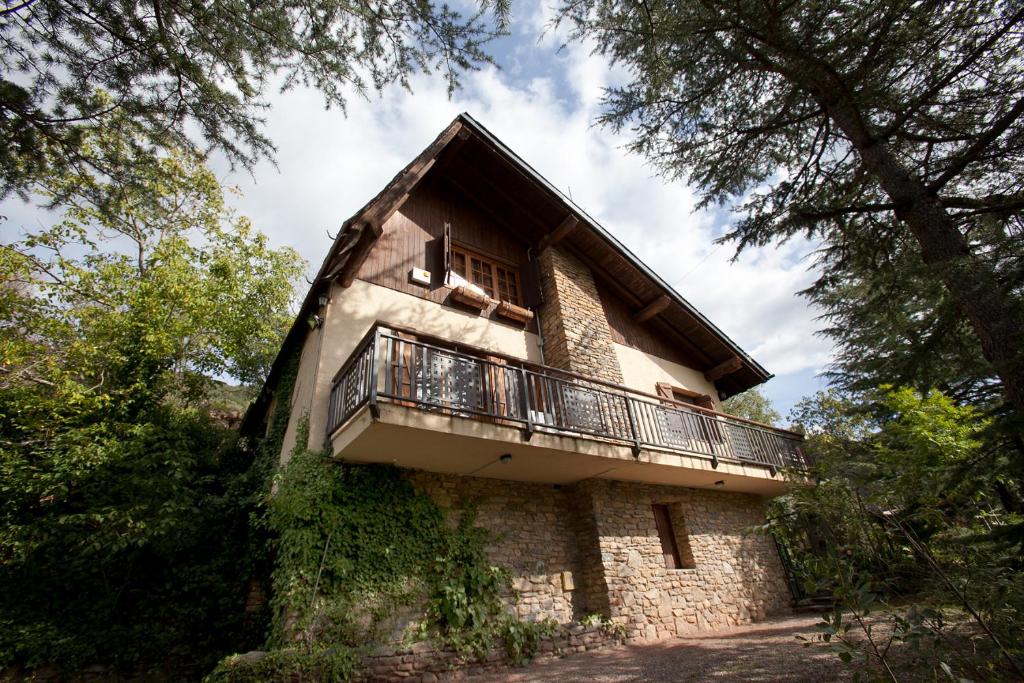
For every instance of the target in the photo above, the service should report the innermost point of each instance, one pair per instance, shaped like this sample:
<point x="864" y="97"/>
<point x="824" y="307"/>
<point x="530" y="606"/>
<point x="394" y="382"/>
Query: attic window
<point x="497" y="280"/>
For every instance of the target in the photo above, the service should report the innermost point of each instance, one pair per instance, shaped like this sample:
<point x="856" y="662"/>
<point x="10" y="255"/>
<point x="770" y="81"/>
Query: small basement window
<point x="677" y="555"/>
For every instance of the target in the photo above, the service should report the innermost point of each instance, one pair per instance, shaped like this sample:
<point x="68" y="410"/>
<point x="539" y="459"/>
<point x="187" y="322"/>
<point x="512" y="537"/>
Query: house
<point x="475" y="326"/>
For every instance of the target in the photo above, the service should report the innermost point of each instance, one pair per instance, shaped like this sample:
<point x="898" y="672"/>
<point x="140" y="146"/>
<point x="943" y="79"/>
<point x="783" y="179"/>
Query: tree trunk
<point x="995" y="316"/>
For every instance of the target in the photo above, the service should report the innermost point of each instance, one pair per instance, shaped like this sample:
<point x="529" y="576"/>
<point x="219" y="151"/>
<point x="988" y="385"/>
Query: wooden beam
<point x="483" y="184"/>
<point x="724" y="368"/>
<point x="559" y="233"/>
<point x="652" y="309"/>
<point x="367" y="238"/>
<point x="383" y="205"/>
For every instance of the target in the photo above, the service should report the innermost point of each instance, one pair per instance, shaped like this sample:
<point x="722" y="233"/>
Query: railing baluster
<point x="547" y="399"/>
<point x="632" y="426"/>
<point x="527" y="402"/>
<point x="374" y="408"/>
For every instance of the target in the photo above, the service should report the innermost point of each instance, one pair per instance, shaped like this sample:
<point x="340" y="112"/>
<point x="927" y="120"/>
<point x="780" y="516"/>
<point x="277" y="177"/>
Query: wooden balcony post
<point x="632" y="425"/>
<point x="527" y="412"/>
<point x="372" y="401"/>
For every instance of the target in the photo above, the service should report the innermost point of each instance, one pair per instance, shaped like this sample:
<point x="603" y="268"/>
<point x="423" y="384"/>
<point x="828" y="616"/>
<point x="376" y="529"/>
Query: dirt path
<point x="768" y="651"/>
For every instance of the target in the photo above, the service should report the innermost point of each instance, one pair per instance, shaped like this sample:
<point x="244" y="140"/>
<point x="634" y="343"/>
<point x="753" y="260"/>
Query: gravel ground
<point x="767" y="651"/>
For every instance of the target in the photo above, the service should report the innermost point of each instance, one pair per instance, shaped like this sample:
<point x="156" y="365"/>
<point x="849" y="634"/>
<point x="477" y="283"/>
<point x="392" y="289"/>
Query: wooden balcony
<point x="389" y="369"/>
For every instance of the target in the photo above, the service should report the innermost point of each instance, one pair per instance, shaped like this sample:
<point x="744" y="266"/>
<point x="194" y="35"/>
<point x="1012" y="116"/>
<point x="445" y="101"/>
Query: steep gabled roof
<point x="553" y="217"/>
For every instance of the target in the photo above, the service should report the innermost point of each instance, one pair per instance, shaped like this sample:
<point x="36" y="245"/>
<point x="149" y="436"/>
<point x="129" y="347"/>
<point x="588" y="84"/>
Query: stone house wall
<point x="535" y="539"/>
<point x="594" y="548"/>
<point x="573" y="323"/>
<point x="737" y="577"/>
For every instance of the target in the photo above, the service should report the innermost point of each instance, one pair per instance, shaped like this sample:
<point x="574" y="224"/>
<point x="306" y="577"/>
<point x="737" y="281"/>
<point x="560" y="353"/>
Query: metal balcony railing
<point x="387" y="366"/>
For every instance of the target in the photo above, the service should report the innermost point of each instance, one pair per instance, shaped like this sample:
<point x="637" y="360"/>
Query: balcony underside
<point x="439" y="441"/>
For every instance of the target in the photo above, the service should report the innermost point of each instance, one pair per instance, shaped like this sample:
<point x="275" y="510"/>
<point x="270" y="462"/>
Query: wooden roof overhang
<point x="500" y="182"/>
<point x="471" y="159"/>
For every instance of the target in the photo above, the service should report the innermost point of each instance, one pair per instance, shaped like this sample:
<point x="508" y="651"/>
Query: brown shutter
<point x="495" y="387"/>
<point x="664" y="390"/>
<point x="447" y="246"/>
<point x="529" y="278"/>
<point x="402" y="379"/>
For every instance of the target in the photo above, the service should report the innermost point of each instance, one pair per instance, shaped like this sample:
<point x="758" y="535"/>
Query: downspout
<point x="322" y="323"/>
<point x="536" y="311"/>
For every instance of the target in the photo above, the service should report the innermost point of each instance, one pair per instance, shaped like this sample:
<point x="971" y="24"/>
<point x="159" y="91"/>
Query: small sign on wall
<point x="420" y="276"/>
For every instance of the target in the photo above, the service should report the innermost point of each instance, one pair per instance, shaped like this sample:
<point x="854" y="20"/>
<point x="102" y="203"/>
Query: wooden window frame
<point x="511" y="272"/>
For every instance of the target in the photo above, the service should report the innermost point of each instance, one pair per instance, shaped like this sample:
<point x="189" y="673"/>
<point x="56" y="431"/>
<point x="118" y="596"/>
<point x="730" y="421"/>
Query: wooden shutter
<point x="402" y="379"/>
<point x="529" y="278"/>
<point x="447" y="246"/>
<point x="669" y="548"/>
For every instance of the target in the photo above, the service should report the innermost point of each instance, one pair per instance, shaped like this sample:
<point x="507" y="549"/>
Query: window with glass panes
<point x="496" y="279"/>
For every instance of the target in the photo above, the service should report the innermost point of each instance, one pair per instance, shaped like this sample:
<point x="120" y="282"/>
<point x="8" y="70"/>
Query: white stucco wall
<point x="642" y="372"/>
<point x="348" y="316"/>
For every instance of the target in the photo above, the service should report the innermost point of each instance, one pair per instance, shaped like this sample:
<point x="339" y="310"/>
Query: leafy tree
<point x="894" y="322"/>
<point x="145" y="276"/>
<point x="169" y="67"/>
<point x="124" y="509"/>
<point x="859" y="123"/>
<point x="753" y="405"/>
<point x="910" y="507"/>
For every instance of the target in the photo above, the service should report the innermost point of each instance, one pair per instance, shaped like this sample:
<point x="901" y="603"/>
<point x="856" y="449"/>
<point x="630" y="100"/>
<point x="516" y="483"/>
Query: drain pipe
<point x="536" y="312"/>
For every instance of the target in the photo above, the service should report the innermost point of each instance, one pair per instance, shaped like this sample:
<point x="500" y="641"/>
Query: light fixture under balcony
<point x="505" y="459"/>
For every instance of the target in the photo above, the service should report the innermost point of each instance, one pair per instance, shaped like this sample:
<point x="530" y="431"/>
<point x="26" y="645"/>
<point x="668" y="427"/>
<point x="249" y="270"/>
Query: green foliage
<point x="522" y="638"/>
<point x="888" y="131"/>
<point x="357" y="546"/>
<point x="915" y="504"/>
<point x="752" y="404"/>
<point x="893" y="322"/>
<point x="189" y="76"/>
<point x="125" y="538"/>
<point x="612" y="628"/>
<point x="123" y="544"/>
<point x="157" y="278"/>
<point x="329" y="665"/>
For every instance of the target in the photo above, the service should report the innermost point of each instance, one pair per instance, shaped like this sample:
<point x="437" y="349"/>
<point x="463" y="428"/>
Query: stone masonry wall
<point x="573" y="322"/>
<point x="737" y="577"/>
<point x="535" y="536"/>
<point x="422" y="663"/>
<point x="594" y="548"/>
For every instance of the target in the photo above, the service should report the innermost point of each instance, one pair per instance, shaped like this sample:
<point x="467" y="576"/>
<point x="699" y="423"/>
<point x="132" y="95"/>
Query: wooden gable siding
<point x="642" y="336"/>
<point x="413" y="238"/>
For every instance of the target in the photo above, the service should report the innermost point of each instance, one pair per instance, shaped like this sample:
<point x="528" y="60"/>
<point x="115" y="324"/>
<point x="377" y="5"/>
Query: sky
<point x="542" y="102"/>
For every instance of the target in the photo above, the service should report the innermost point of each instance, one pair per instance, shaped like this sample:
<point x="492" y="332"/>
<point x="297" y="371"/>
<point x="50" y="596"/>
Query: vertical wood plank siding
<point x="413" y="238"/>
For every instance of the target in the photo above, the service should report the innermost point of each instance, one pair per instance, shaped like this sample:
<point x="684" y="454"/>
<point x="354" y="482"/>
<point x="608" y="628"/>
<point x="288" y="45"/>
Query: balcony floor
<point x="419" y="439"/>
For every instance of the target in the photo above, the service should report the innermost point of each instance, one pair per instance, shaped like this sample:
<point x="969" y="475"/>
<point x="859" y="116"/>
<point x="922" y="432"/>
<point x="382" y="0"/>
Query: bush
<point x="126" y="545"/>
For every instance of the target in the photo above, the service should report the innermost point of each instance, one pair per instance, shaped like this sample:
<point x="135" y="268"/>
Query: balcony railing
<point x="387" y="366"/>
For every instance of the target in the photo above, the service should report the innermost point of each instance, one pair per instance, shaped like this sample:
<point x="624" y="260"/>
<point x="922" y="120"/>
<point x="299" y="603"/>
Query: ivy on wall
<point x="356" y="548"/>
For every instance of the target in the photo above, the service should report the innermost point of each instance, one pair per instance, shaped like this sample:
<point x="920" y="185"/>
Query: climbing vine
<point x="360" y="557"/>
